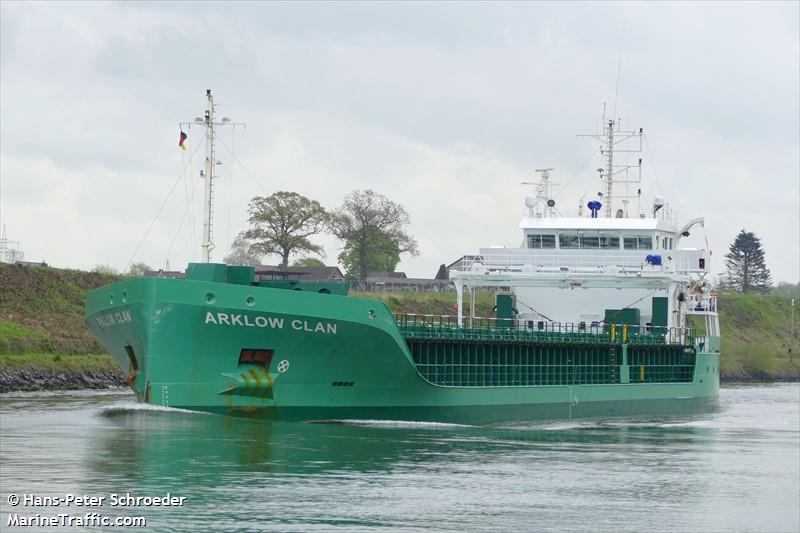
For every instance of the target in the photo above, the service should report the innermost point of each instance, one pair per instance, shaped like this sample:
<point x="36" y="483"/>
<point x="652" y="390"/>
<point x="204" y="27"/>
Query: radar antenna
<point x="543" y="204"/>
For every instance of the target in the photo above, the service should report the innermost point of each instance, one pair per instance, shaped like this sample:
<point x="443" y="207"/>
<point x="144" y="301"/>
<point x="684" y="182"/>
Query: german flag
<point x="182" y="141"/>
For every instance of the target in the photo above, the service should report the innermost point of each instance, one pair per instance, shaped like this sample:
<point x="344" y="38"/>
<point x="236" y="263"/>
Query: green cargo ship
<point x="595" y="317"/>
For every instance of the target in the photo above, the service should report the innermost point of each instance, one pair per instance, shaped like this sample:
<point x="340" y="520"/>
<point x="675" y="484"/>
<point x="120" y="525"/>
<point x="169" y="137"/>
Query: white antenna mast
<point x="612" y="136"/>
<point x="208" y="199"/>
<point x="543" y="204"/>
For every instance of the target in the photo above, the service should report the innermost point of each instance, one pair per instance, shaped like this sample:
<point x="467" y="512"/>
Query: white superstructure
<point x="574" y="269"/>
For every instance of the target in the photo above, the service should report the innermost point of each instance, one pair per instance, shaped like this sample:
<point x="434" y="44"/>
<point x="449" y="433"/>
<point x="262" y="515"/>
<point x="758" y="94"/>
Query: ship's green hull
<point x="331" y="357"/>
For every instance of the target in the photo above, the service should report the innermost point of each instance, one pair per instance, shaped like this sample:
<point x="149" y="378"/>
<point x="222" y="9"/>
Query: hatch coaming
<point x="496" y="353"/>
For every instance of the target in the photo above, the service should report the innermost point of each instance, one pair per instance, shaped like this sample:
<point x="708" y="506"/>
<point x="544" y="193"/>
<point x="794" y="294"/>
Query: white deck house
<point x="574" y="269"/>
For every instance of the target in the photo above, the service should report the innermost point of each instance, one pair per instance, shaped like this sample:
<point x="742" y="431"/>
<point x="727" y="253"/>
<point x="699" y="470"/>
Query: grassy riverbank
<point x="41" y="310"/>
<point x="42" y="326"/>
<point x="756" y="337"/>
<point x="59" y="363"/>
<point x="430" y="303"/>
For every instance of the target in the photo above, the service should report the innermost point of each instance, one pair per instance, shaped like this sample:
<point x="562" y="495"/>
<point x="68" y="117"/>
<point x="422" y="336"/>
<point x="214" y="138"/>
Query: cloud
<point x="444" y="108"/>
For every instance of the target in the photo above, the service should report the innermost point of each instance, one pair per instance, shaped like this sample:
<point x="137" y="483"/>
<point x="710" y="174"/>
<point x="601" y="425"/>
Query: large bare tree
<point x="373" y="230"/>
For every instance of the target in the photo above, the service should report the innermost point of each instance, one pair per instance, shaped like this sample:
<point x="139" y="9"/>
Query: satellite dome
<point x="530" y="200"/>
<point x="658" y="201"/>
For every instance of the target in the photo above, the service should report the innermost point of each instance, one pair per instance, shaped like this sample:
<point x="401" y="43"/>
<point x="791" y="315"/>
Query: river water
<point x="733" y="470"/>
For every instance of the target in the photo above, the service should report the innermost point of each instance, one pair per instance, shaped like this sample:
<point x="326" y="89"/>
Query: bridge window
<point x="609" y="241"/>
<point x="588" y="241"/>
<point x="569" y="240"/>
<point x="541" y="241"/>
<point x="638" y="242"/>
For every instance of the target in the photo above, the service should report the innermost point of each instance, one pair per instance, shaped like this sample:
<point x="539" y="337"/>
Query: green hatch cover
<point x="629" y="316"/>
<point x="506" y="309"/>
<point x="660" y="313"/>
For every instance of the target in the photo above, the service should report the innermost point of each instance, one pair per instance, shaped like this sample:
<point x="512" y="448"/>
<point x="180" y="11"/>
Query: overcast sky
<point x="444" y="108"/>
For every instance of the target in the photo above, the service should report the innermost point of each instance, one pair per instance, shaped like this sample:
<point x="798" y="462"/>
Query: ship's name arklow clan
<point x="112" y="319"/>
<point x="258" y="321"/>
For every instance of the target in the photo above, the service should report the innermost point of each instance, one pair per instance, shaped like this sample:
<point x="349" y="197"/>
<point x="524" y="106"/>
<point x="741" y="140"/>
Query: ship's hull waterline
<point x="279" y="354"/>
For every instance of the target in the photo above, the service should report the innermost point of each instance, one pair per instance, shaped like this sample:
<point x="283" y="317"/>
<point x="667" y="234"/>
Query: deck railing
<point x="479" y="328"/>
<point x="702" y="303"/>
<point x="611" y="262"/>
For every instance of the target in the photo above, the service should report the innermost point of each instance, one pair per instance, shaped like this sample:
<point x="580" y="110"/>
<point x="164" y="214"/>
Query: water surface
<point x="734" y="470"/>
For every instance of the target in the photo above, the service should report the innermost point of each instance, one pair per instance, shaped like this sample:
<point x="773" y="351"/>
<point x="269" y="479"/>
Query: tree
<point x="373" y="230"/>
<point x="789" y="290"/>
<point x="745" y="265"/>
<point x="105" y="269"/>
<point x="139" y="269"/>
<point x="384" y="258"/>
<point x="282" y="224"/>
<point x="241" y="254"/>
<point x="308" y="262"/>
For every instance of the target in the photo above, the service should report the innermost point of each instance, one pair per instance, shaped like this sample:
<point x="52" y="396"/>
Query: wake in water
<point x="393" y="424"/>
<point x="120" y="410"/>
<point x="607" y="424"/>
<point x="535" y="425"/>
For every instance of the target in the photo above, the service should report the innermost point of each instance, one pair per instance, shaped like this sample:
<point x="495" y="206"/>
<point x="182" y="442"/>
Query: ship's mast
<point x="208" y="172"/>
<point x="612" y="136"/>
<point x="609" y="151"/>
<point x="208" y="198"/>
